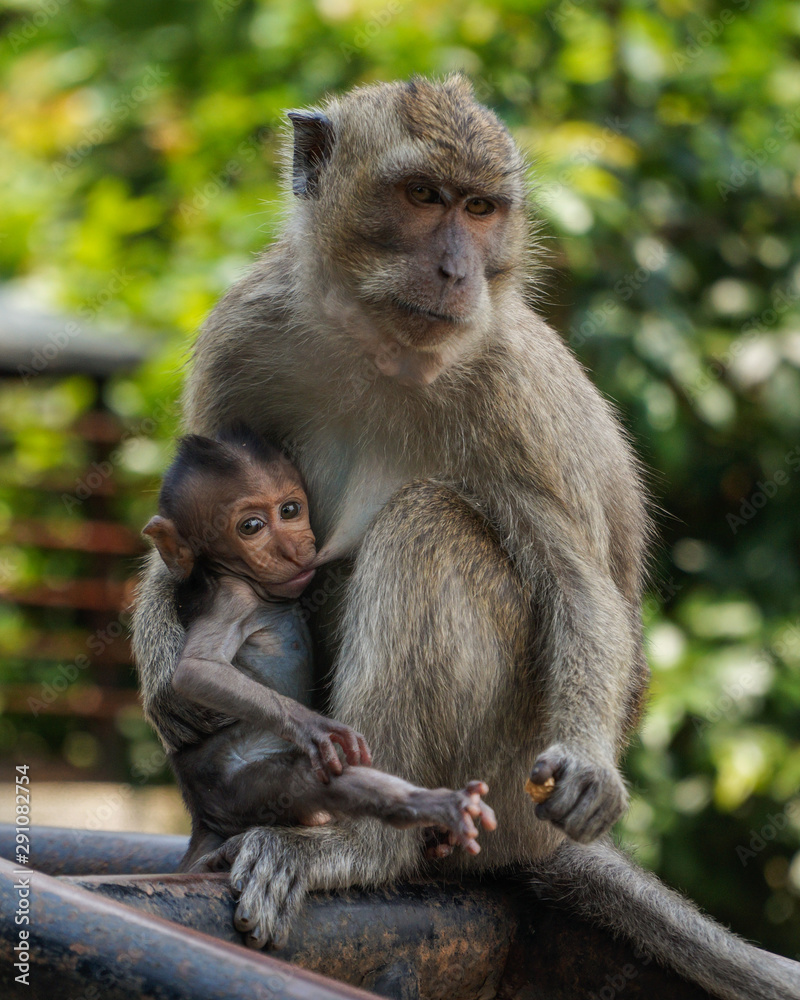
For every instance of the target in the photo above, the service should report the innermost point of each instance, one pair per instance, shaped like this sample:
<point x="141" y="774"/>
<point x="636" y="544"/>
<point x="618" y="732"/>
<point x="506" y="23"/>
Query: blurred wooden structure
<point x="74" y="634"/>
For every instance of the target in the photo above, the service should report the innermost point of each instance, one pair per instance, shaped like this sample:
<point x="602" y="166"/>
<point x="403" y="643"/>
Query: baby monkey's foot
<point x="438" y="842"/>
<point x="452" y="816"/>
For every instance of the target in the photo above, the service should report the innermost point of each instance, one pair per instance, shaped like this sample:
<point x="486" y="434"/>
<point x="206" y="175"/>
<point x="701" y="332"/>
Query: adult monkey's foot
<point x="268" y="879"/>
<point x="272" y="883"/>
<point x="272" y="870"/>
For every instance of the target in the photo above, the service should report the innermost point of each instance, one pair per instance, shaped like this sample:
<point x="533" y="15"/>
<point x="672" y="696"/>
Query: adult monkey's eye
<point x="290" y="510"/>
<point x="479" y="206"/>
<point x="251" y="526"/>
<point x="423" y="194"/>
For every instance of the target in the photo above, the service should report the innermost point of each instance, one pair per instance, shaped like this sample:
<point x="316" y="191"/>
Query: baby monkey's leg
<point x="283" y="789"/>
<point x="363" y="791"/>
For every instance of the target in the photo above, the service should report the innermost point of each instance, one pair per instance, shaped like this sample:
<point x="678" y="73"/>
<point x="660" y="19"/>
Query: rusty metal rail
<point x="433" y="941"/>
<point x="63" y="851"/>
<point x="84" y="945"/>
<point x="478" y="941"/>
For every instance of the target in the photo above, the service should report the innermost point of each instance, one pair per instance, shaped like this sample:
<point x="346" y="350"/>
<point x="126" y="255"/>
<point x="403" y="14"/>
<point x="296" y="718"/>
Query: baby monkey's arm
<point x="206" y="675"/>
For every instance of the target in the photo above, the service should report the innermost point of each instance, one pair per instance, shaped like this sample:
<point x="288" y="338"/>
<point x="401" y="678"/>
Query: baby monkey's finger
<point x="317" y="766"/>
<point x="488" y="818"/>
<point x="330" y="758"/>
<point x="348" y="741"/>
<point x="366" y="753"/>
<point x="476" y="788"/>
<point x="440" y="851"/>
<point x="477" y="808"/>
<point x="467" y="831"/>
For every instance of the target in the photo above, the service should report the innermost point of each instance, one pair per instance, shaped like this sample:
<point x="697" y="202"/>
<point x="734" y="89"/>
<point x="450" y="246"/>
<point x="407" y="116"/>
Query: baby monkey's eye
<point x="251" y="526"/>
<point x="290" y="510"/>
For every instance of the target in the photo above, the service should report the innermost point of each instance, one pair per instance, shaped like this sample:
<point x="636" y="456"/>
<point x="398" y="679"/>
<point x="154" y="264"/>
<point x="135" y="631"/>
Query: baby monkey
<point x="233" y="529"/>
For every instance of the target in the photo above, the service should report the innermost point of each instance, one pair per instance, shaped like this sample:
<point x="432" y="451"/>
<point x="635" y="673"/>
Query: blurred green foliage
<point x="139" y="172"/>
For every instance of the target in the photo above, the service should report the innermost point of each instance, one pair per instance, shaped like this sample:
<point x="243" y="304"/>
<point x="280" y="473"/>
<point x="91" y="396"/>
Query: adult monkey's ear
<point x="313" y="143"/>
<point x="172" y="547"/>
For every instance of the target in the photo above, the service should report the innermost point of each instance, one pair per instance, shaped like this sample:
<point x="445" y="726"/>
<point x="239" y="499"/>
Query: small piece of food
<point x="540" y="793"/>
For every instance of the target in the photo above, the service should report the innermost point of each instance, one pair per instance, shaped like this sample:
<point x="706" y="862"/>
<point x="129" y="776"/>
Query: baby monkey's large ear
<point x="173" y="549"/>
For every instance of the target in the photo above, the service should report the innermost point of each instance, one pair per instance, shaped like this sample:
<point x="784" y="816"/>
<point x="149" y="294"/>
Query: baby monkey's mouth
<point x="303" y="577"/>
<point x="293" y="587"/>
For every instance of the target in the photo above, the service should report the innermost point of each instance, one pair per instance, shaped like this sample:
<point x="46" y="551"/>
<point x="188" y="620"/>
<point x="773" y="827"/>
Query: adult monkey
<point x="453" y="444"/>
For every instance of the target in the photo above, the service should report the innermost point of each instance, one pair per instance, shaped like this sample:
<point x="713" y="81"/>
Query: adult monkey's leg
<point x="431" y="666"/>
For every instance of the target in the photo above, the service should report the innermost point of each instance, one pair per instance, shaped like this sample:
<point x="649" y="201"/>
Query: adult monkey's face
<point x="443" y="239"/>
<point x="412" y="197"/>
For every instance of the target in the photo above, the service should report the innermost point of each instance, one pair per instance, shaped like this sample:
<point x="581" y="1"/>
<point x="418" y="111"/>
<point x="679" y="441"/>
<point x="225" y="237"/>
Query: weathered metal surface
<point x="418" y="940"/>
<point x="83" y="945"/>
<point x="426" y="941"/>
<point x="62" y="851"/>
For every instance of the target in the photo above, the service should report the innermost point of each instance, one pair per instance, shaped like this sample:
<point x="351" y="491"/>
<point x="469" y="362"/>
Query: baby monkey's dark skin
<point x="234" y="531"/>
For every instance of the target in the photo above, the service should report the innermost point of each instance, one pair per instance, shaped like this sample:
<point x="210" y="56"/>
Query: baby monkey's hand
<point x="316" y="735"/>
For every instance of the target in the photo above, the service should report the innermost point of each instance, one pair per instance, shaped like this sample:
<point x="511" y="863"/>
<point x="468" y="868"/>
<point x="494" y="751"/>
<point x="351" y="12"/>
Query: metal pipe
<point x="442" y="942"/>
<point x="439" y="942"/>
<point x="85" y="946"/>
<point x="64" y="851"/>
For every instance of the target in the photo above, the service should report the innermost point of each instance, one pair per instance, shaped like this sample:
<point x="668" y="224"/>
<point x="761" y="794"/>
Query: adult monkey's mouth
<point x="429" y="314"/>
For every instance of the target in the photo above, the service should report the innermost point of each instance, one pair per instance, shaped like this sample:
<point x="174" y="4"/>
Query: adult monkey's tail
<point x="603" y="886"/>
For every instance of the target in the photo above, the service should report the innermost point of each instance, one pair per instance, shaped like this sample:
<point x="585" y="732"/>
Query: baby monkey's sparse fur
<point x="458" y="456"/>
<point x="233" y="530"/>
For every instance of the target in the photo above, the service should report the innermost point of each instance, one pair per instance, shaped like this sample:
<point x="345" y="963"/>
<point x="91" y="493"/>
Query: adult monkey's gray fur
<point x="452" y="443"/>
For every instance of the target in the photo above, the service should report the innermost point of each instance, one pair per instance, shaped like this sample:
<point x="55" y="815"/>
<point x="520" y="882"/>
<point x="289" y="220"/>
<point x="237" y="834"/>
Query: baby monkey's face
<point x="269" y="537"/>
